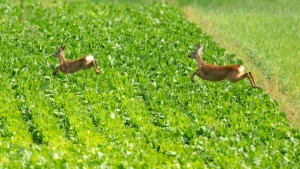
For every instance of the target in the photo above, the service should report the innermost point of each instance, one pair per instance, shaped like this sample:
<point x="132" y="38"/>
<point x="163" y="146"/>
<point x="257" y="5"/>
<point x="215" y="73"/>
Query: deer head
<point x="60" y="52"/>
<point x="197" y="53"/>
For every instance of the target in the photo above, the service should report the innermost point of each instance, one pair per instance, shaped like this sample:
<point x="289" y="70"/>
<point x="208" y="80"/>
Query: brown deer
<point x="67" y="66"/>
<point x="233" y="73"/>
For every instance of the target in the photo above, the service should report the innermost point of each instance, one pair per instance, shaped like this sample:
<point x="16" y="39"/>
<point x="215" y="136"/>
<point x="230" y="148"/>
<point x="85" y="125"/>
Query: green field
<point x="142" y="111"/>
<point x="265" y="34"/>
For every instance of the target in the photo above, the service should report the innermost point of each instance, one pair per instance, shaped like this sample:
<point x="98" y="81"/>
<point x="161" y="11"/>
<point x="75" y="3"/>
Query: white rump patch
<point x="89" y="58"/>
<point x="241" y="69"/>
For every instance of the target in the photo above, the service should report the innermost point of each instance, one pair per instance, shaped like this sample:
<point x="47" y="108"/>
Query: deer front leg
<point x="192" y="76"/>
<point x="55" y="70"/>
<point x="199" y="74"/>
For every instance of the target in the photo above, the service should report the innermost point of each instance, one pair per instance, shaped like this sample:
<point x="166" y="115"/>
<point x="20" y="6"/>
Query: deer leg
<point x="192" y="76"/>
<point x="252" y="80"/>
<point x="198" y="73"/>
<point x="95" y="63"/>
<point x="249" y="76"/>
<point x="55" y="70"/>
<point x="87" y="65"/>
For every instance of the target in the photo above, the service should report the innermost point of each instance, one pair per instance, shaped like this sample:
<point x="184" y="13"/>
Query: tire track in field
<point x="12" y="124"/>
<point x="63" y="123"/>
<point x="27" y="115"/>
<point x="36" y="133"/>
<point x="67" y="127"/>
<point x="4" y="130"/>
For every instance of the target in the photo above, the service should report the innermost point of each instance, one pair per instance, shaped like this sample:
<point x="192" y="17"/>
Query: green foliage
<point x="268" y="31"/>
<point x="264" y="34"/>
<point x="142" y="111"/>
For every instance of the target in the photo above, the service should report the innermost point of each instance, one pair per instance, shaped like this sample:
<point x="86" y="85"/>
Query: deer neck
<point x="199" y="61"/>
<point x="62" y="59"/>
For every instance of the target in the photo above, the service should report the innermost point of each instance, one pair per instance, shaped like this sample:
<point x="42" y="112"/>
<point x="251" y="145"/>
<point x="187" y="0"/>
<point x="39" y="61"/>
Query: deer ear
<point x="200" y="47"/>
<point x="199" y="50"/>
<point x="62" y="47"/>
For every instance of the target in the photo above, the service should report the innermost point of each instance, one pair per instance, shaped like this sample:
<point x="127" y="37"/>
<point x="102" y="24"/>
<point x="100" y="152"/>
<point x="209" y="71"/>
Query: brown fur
<point x="233" y="73"/>
<point x="73" y="66"/>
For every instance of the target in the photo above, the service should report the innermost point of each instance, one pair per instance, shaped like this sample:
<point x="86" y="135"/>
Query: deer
<point x="214" y="73"/>
<point x="68" y="66"/>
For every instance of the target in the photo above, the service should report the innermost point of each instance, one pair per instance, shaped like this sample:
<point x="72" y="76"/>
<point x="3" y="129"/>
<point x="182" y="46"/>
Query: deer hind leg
<point x="249" y="76"/>
<point x="252" y="80"/>
<point x="87" y="65"/>
<point x="95" y="64"/>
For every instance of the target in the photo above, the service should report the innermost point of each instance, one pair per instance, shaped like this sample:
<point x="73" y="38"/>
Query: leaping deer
<point x="67" y="66"/>
<point x="233" y="73"/>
